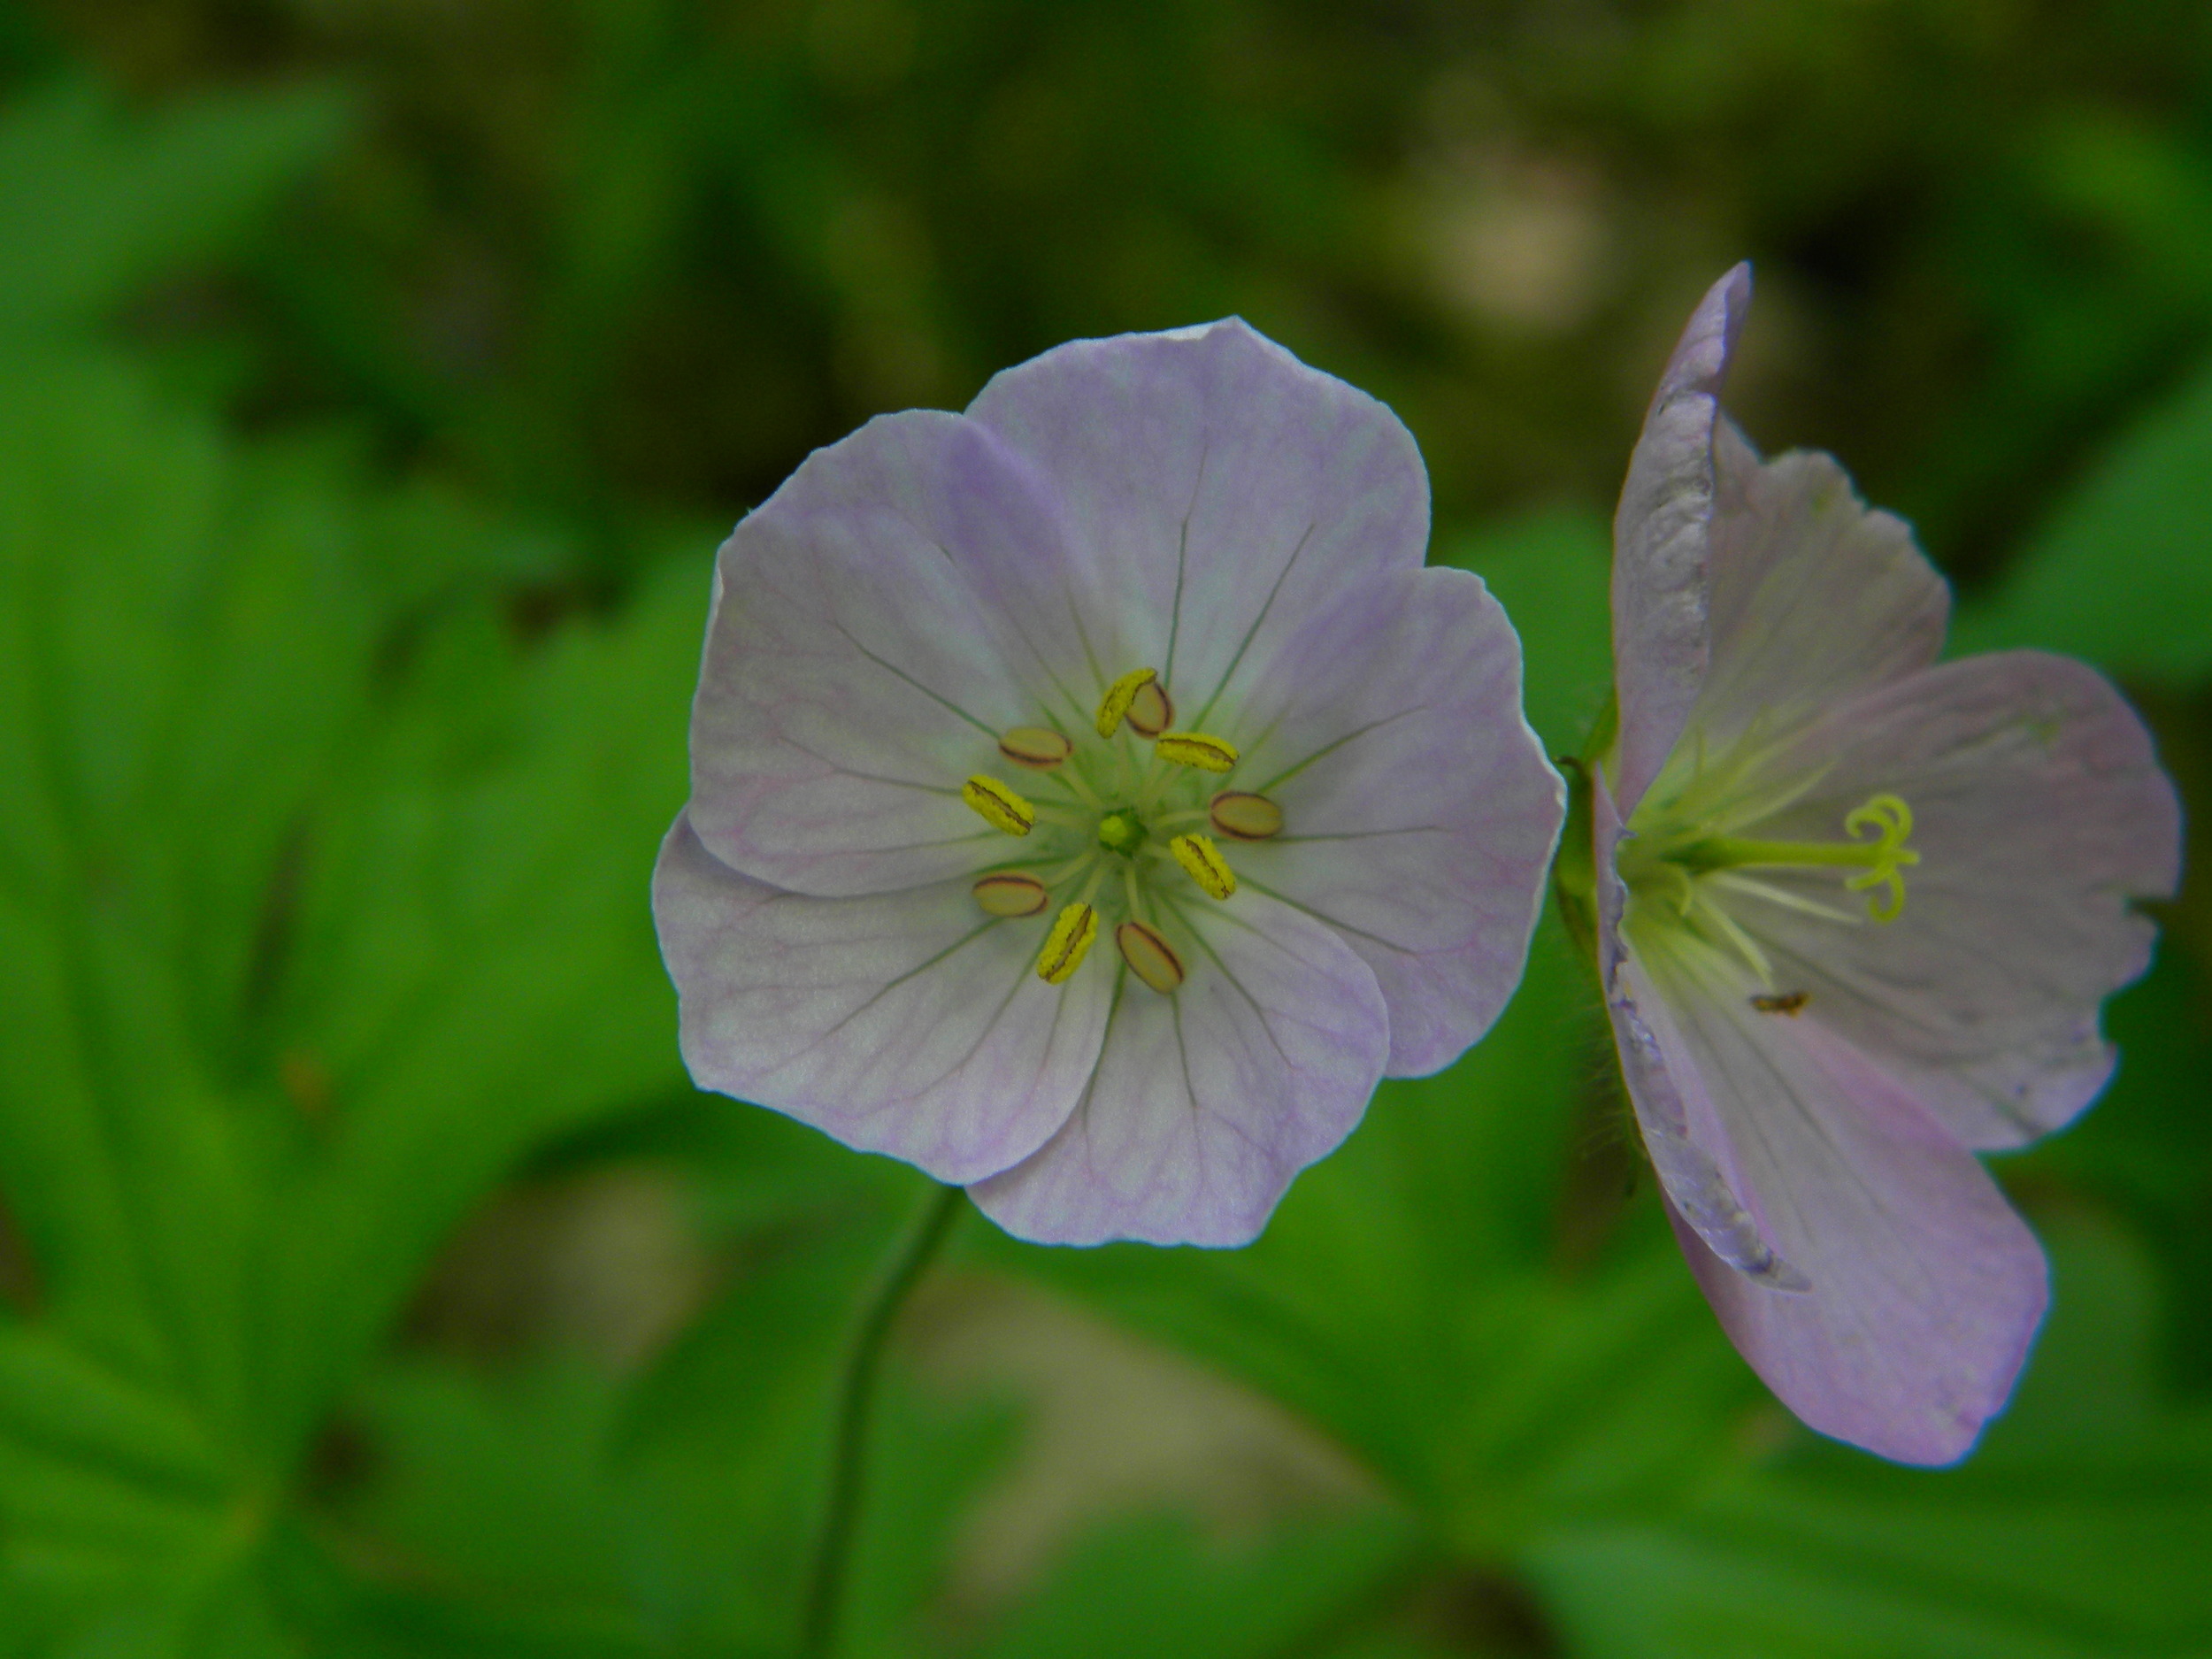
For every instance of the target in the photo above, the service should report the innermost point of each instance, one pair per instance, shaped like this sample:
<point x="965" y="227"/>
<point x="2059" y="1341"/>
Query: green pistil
<point x="1881" y="860"/>
<point x="1121" y="832"/>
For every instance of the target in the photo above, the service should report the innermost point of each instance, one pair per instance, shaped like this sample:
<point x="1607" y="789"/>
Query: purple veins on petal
<point x="909" y="1023"/>
<point x="1205" y="1104"/>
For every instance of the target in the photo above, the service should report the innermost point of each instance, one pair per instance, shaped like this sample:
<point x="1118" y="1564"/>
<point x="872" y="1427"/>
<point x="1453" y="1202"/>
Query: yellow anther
<point x="1150" y="710"/>
<point x="1072" y="931"/>
<point x="1203" y="861"/>
<point x="1036" y="747"/>
<point x="1245" y="818"/>
<point x="1120" y="695"/>
<point x="1195" y="749"/>
<point x="1890" y="820"/>
<point x="998" y="806"/>
<point x="1150" y="958"/>
<point x="1009" y="893"/>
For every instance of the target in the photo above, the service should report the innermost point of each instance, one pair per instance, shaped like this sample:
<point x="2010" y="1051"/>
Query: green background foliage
<point x="376" y="379"/>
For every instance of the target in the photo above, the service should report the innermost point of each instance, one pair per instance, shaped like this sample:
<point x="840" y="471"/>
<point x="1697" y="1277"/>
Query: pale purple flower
<point x="1092" y="795"/>
<point x="1856" y="912"/>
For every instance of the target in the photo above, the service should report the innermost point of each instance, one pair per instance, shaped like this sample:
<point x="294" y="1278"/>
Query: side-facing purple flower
<point x="1856" y="911"/>
<point x="1094" y="796"/>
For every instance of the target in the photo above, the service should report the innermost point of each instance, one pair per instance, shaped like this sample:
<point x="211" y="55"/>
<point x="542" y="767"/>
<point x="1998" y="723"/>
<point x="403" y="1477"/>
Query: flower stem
<point x="855" y="1403"/>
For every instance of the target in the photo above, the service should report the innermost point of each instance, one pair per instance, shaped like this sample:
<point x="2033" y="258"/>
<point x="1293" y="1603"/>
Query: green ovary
<point x="1121" y="832"/>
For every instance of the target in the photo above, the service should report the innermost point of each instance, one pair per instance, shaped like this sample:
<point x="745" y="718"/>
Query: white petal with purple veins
<point x="865" y="652"/>
<point x="1216" y="493"/>
<point x="1420" y="813"/>
<point x="2040" y="814"/>
<point x="1815" y="595"/>
<point x="1206" y="1103"/>
<point x="907" y="1023"/>
<point x="1661" y="530"/>
<point x="1926" y="1289"/>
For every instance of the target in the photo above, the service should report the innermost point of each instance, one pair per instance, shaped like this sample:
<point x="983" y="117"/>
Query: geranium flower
<point x="1093" y="796"/>
<point x="1856" y="912"/>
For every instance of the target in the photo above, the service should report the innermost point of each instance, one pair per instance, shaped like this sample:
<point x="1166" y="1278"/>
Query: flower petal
<point x="2040" y="813"/>
<point x="1926" y="1289"/>
<point x="1814" y="597"/>
<point x="1419" y="812"/>
<point x="877" y="624"/>
<point x="1859" y="1258"/>
<point x="1661" y="542"/>
<point x="1676" y="1115"/>
<point x="907" y="1023"/>
<point x="1207" y="1103"/>
<point x="1216" y="492"/>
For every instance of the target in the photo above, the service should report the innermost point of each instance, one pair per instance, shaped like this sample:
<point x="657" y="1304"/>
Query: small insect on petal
<point x="998" y="806"/>
<point x="1036" y="747"/>
<point x="1791" y="1003"/>
<point x="1245" y="817"/>
<point x="1195" y="749"/>
<point x="1150" y="958"/>
<point x="1150" y="710"/>
<point x="1072" y="931"/>
<point x="1202" y="861"/>
<point x="1119" y="696"/>
<point x="1009" y="893"/>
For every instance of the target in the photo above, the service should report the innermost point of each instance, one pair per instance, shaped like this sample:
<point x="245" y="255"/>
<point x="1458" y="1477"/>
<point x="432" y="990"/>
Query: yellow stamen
<point x="1072" y="931"/>
<point x="1880" y="861"/>
<point x="1244" y="817"/>
<point x="998" y="806"/>
<point x="1036" y="747"/>
<point x="1195" y="749"/>
<point x="1150" y="710"/>
<point x="1890" y="821"/>
<point x="1203" y="861"/>
<point x="1009" y="893"/>
<point x="1150" y="958"/>
<point x="1119" y="697"/>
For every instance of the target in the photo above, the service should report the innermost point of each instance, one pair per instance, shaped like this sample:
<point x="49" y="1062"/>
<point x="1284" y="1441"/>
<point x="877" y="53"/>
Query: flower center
<point x="1121" y="832"/>
<point x="1109" y="823"/>
<point x="1688" y="863"/>
<point x="1878" y="829"/>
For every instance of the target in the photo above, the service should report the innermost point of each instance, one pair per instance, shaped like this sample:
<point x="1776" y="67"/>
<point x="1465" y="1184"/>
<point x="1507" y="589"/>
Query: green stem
<point x="855" y="1403"/>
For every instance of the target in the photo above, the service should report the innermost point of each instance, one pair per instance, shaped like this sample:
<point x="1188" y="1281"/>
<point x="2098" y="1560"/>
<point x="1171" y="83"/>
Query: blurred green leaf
<point x="568" y="1510"/>
<point x="1157" y="1587"/>
<point x="2079" y="1530"/>
<point x="98" y="204"/>
<point x="1552" y="572"/>
<point x="474" y="967"/>
<point x="323" y="904"/>
<point x="2119" y="573"/>
<point x="1417" y="1294"/>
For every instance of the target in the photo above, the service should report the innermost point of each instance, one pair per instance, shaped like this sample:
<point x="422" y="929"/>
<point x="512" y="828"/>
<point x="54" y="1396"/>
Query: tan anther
<point x="1150" y="710"/>
<point x="1202" y="861"/>
<point x="1195" y="749"/>
<point x="1243" y="817"/>
<point x="1120" y="695"/>
<point x="1150" y="958"/>
<point x="1072" y="931"/>
<point x="1036" y="747"/>
<point x="1009" y="893"/>
<point x="998" y="806"/>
